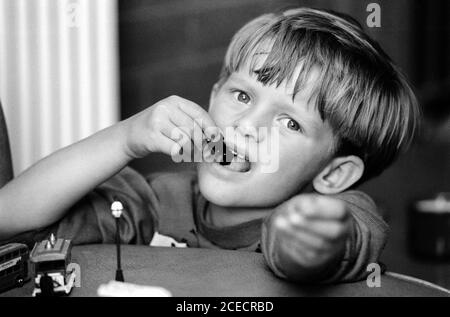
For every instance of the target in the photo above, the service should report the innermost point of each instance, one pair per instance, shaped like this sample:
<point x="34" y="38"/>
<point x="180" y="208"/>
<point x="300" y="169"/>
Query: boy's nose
<point x="250" y="132"/>
<point x="253" y="124"/>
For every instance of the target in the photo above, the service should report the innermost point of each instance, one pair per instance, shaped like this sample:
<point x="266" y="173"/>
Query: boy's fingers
<point x="309" y="239"/>
<point x="332" y="230"/>
<point x="182" y="121"/>
<point x="169" y="146"/>
<point x="329" y="229"/>
<point x="315" y="206"/>
<point x="299" y="251"/>
<point x="177" y="135"/>
<point x="197" y="113"/>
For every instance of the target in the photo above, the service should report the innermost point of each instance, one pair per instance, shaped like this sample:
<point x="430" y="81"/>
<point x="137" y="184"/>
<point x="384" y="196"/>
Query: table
<point x="205" y="272"/>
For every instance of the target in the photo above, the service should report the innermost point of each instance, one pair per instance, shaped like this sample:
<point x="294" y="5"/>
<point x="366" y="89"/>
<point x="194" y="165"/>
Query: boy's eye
<point x="242" y="97"/>
<point x="291" y="124"/>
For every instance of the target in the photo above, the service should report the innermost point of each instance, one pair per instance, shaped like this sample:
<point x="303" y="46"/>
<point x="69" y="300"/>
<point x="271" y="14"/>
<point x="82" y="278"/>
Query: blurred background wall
<point x="58" y="73"/>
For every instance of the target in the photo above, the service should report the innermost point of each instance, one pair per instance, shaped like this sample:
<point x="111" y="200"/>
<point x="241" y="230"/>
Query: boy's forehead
<point x="289" y="85"/>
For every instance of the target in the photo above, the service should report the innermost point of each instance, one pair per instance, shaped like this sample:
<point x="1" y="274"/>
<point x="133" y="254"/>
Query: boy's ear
<point x="213" y="94"/>
<point x="341" y="173"/>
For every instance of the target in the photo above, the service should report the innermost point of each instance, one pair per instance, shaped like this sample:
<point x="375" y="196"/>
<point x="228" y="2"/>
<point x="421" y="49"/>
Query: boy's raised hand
<point x="312" y="229"/>
<point x="100" y="156"/>
<point x="166" y="126"/>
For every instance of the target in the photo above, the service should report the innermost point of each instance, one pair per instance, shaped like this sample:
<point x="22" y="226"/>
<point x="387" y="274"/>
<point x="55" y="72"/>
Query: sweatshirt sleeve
<point x="90" y="220"/>
<point x="365" y="242"/>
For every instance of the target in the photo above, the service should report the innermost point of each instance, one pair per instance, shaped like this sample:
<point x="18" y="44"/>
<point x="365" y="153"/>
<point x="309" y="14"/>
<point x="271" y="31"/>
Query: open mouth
<point x="234" y="161"/>
<point x="230" y="159"/>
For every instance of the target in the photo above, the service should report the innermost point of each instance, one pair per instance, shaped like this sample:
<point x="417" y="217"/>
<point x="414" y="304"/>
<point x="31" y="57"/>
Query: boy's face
<point x="301" y="150"/>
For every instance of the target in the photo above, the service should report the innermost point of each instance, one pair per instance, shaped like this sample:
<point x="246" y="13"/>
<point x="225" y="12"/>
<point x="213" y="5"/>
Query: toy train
<point x="50" y="259"/>
<point x="14" y="265"/>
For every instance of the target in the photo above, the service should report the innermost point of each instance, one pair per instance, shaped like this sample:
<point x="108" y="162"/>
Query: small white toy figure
<point x="116" y="210"/>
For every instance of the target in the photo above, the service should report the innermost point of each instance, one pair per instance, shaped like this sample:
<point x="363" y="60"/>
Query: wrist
<point x="117" y="141"/>
<point x="123" y="135"/>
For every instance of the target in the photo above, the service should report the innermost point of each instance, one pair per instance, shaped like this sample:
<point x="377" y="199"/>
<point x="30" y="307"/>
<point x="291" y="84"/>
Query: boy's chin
<point x="218" y="198"/>
<point x="233" y="195"/>
<point x="219" y="192"/>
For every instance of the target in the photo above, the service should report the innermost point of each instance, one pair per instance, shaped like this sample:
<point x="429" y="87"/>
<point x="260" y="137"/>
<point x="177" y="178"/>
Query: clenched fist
<point x="311" y="229"/>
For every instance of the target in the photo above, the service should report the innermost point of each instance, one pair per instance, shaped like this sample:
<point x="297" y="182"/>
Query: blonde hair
<point x="360" y="92"/>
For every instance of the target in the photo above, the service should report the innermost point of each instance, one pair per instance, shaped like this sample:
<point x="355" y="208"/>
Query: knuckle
<point x="280" y="222"/>
<point x="337" y="231"/>
<point x="312" y="254"/>
<point x="162" y="110"/>
<point x="158" y="110"/>
<point x="290" y="208"/>
<point x="173" y="98"/>
<point x="281" y="209"/>
<point x="322" y="244"/>
<point x="341" y="208"/>
<point x="155" y="122"/>
<point x="296" y="202"/>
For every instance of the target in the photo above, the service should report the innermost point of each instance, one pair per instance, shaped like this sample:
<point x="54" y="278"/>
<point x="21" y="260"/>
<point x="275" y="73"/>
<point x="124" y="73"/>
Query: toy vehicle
<point x="49" y="259"/>
<point x="14" y="265"/>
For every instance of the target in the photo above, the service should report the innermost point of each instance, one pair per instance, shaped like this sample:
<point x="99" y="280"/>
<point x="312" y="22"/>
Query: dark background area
<point x="177" y="47"/>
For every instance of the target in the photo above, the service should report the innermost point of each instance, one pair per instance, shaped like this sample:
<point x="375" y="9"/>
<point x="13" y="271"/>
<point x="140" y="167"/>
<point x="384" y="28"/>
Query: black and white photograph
<point x="222" y="154"/>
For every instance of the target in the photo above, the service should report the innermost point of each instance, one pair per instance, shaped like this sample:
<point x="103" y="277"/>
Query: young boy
<point x="341" y="112"/>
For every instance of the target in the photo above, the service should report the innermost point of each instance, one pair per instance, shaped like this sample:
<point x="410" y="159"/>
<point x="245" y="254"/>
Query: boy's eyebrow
<point x="308" y="110"/>
<point x="305" y="116"/>
<point x="240" y="80"/>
